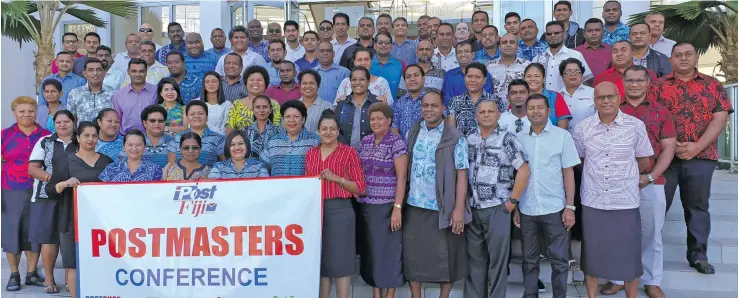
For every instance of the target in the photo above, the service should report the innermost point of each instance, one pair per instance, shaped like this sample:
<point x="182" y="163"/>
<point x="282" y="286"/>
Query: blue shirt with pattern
<point x="190" y="87"/>
<point x="119" y="172"/>
<point x="302" y="64"/>
<point x="156" y="153"/>
<point x="465" y="109"/>
<point x="454" y="84"/>
<point x="258" y="140"/>
<point x="528" y="52"/>
<point x="330" y="80"/>
<point x="217" y="53"/>
<point x="622" y="32"/>
<point x="112" y="149"/>
<point x="406" y="112"/>
<point x="212" y="146"/>
<point x="481" y="56"/>
<point x="287" y="157"/>
<point x="262" y="49"/>
<point x="423" y="175"/>
<point x="227" y="170"/>
<point x="161" y="54"/>
<point x="200" y="65"/>
<point x="492" y="164"/>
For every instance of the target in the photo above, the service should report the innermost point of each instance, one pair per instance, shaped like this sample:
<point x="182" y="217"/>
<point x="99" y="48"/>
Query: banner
<point x="205" y="239"/>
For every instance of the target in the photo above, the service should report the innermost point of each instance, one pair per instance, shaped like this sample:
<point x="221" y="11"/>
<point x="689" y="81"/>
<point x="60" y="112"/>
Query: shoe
<point x="573" y="264"/>
<point x="541" y="287"/>
<point x="703" y="267"/>
<point x="542" y="258"/>
<point x="611" y="289"/>
<point x="14" y="282"/>
<point x="32" y="279"/>
<point x="654" y="292"/>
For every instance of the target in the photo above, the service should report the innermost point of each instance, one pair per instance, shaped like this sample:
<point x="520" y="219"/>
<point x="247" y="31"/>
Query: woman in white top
<point x="218" y="106"/>
<point x="378" y="86"/>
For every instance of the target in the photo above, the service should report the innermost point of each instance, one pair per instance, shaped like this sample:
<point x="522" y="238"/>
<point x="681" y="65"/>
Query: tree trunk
<point x="44" y="55"/>
<point x="729" y="54"/>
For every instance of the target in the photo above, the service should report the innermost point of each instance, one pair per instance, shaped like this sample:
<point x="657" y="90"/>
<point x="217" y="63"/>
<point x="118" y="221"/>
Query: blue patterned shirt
<point x="227" y="170"/>
<point x="465" y="110"/>
<point x="622" y="32"/>
<point x="423" y="175"/>
<point x="406" y="112"/>
<point x="198" y="66"/>
<point x="119" y="172"/>
<point x="492" y="164"/>
<point x="262" y="49"/>
<point x="190" y="87"/>
<point x="287" y="157"/>
<point x="302" y="64"/>
<point x="69" y="82"/>
<point x="212" y="146"/>
<point x="528" y="52"/>
<point x="156" y="153"/>
<point x="222" y="52"/>
<point x="112" y="149"/>
<point x="161" y="54"/>
<point x="258" y="140"/>
<point x="481" y="56"/>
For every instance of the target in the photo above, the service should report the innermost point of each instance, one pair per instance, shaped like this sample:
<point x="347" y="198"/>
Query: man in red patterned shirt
<point x="622" y="59"/>
<point x="662" y="136"/>
<point x="700" y="106"/>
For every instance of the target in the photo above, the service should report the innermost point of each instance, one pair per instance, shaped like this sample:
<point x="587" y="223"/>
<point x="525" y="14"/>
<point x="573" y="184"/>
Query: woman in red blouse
<point x="343" y="179"/>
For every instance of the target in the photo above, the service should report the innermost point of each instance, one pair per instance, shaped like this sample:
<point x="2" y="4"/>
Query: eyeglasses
<point x="190" y="148"/>
<point x="324" y="29"/>
<point x="635" y="81"/>
<point x="553" y="33"/>
<point x="608" y="97"/>
<point x="152" y="121"/>
<point x="274" y="31"/>
<point x="383" y="42"/>
<point x="572" y="72"/>
<point x="518" y="125"/>
<point x="145" y="30"/>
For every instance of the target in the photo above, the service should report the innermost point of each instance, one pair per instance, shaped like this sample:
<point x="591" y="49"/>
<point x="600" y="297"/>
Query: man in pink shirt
<point x="71" y="44"/>
<point x="597" y="54"/>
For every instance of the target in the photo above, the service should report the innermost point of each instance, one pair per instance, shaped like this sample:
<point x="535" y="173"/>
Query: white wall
<point x="18" y="77"/>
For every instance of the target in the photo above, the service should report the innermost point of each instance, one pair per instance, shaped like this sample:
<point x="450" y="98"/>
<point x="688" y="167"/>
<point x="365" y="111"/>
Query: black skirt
<point x="611" y="244"/>
<point x="16" y="221"/>
<point x="338" y="252"/>
<point x="381" y="260"/>
<point x="44" y="226"/>
<point x="431" y="254"/>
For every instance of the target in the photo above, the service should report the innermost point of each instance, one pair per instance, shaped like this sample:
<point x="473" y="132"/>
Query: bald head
<point x="274" y="31"/>
<point x="194" y="44"/>
<point x="255" y="31"/>
<point x="607" y="99"/>
<point x="146" y="32"/>
<point x="424" y="51"/>
<point x="509" y="45"/>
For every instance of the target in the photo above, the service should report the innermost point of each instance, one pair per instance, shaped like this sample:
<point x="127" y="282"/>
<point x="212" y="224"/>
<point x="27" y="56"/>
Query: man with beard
<point x="287" y="89"/>
<point x="176" y="36"/>
<point x="240" y="43"/>
<point x="92" y="41"/>
<point x="615" y="30"/>
<point x="109" y="142"/>
<point x="86" y="101"/>
<point x="276" y="55"/>
<point x="490" y="39"/>
<point x="257" y="43"/>
<point x="133" y="42"/>
<point x="292" y="33"/>
<point x="515" y="120"/>
<point x="453" y="81"/>
<point x="309" y="59"/>
<point x="70" y="43"/>
<point x="155" y="70"/>
<point x="508" y="66"/>
<point x="643" y="55"/>
<point x="69" y="80"/>
<point x="113" y="77"/>
<point x="341" y="25"/>
<point x="529" y="46"/>
<point x="597" y="54"/>
<point x="444" y="56"/>
<point x="573" y="35"/>
<point x="366" y="34"/>
<point x="384" y="23"/>
<point x="403" y="49"/>
<point x="433" y="75"/>
<point x="555" y="54"/>
<point x="197" y="60"/>
<point x="480" y="20"/>
<point x="218" y="39"/>
<point x="190" y="84"/>
<point x="130" y="100"/>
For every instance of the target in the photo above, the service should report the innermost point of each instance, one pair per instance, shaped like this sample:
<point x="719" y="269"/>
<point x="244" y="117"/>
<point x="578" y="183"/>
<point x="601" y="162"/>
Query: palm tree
<point x="705" y="24"/>
<point x="20" y="24"/>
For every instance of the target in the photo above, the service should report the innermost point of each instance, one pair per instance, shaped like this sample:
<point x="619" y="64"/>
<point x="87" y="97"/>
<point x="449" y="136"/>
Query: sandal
<point x="13" y="282"/>
<point x="32" y="279"/>
<point x="66" y="285"/>
<point x="51" y="289"/>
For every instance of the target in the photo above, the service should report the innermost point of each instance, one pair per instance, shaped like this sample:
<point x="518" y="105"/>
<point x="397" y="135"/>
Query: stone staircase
<point x="680" y="281"/>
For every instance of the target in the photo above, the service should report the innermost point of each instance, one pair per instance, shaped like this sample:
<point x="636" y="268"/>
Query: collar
<point x="484" y="52"/>
<point x="439" y="127"/>
<point x="348" y="41"/>
<point x="648" y="52"/>
<point x="573" y="28"/>
<point x="408" y="97"/>
<point x="697" y="74"/>
<point x="147" y="87"/>
<point x="261" y="43"/>
<point x="564" y="50"/>
<point x="15" y="127"/>
<point x="394" y="41"/>
<point x="619" y="119"/>
<point x="546" y="128"/>
<point x="163" y="141"/>
<point x="299" y="46"/>
<point x="87" y="88"/>
<point x="518" y="60"/>
<point x="171" y="46"/>
<point x="294" y="86"/>
<point x="619" y="27"/>
<point x="521" y="43"/>
<point x="645" y="101"/>
<point x="390" y="61"/>
<point x="563" y="90"/>
<point x="437" y="51"/>
<point x="333" y="66"/>
<point x="117" y="137"/>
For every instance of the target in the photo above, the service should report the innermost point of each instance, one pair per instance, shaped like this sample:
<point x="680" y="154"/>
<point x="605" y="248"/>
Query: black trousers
<point x="694" y="178"/>
<point x="544" y="232"/>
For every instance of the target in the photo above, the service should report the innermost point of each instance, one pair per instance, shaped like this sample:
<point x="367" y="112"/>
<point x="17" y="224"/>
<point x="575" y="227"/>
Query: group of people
<point x="430" y="150"/>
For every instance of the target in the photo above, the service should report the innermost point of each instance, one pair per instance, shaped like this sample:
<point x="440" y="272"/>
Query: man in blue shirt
<point x="176" y="35"/>
<point x="189" y="84"/>
<point x="385" y="66"/>
<point x="198" y="62"/>
<point x="277" y="52"/>
<point x="453" y="82"/>
<point x="331" y="74"/>
<point x="529" y="45"/>
<point x="490" y="38"/>
<point x="403" y="49"/>
<point x="218" y="39"/>
<point x="614" y="29"/>
<point x="310" y="59"/>
<point x="65" y="75"/>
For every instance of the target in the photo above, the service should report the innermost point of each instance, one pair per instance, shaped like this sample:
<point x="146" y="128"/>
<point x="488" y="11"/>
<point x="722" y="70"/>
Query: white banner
<point x="205" y="239"/>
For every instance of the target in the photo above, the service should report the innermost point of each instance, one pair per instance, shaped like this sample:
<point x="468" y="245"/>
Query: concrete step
<point x="359" y="289"/>
<point x="719" y="204"/>
<point x="679" y="276"/>
<point x="722" y="226"/>
<point x="517" y="290"/>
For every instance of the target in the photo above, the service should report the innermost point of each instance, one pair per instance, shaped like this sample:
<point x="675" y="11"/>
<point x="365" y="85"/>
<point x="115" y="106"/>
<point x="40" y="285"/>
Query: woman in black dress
<point x="84" y="166"/>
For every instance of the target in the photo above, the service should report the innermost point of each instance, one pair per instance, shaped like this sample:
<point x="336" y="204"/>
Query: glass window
<point x="188" y="16"/>
<point x="158" y="18"/>
<point x="527" y="10"/>
<point x="80" y="29"/>
<point x="237" y="16"/>
<point x="269" y="14"/>
<point x="307" y="21"/>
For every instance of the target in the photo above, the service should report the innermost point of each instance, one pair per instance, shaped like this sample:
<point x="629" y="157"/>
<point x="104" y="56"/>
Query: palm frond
<point x="17" y="22"/>
<point x="87" y="16"/>
<point x="125" y="9"/>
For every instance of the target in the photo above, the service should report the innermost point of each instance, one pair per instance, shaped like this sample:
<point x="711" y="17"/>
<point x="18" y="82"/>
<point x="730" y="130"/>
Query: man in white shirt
<point x="133" y="41"/>
<point x="113" y="77"/>
<point x="555" y="54"/>
<point x="341" y="25"/>
<point x="658" y="42"/>
<point x="239" y="38"/>
<point x="444" y="56"/>
<point x="579" y="98"/>
<point x="516" y="120"/>
<point x="146" y="32"/>
<point x="292" y="33"/>
<point x="155" y="70"/>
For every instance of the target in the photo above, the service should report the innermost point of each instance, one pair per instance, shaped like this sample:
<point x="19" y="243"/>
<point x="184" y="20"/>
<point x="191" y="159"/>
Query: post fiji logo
<point x="195" y="200"/>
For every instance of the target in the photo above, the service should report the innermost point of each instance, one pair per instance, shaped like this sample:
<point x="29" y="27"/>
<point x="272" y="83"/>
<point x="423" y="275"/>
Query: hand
<point x="568" y="219"/>
<point x="457" y="221"/>
<point x="71" y="182"/>
<point x="341" y="98"/>
<point x="328" y="175"/>
<point x="516" y="218"/>
<point x="396" y="220"/>
<point x="382" y="98"/>
<point x="643" y="181"/>
<point x="509" y="206"/>
<point x="687" y="150"/>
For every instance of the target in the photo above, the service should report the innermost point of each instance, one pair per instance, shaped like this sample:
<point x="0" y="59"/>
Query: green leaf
<point x="12" y="14"/>
<point x="126" y="9"/>
<point x="87" y="16"/>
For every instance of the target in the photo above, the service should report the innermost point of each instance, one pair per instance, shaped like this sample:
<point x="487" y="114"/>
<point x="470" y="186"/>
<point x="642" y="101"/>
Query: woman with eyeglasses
<point x="263" y="128"/>
<point x="241" y="115"/>
<point x="156" y="145"/>
<point x="238" y="164"/>
<point x="342" y="179"/>
<point x="86" y="165"/>
<point x="578" y="97"/>
<point x="535" y="76"/>
<point x="133" y="168"/>
<point x="43" y="226"/>
<point x="213" y="95"/>
<point x="168" y="95"/>
<point x="377" y="86"/>
<point x="187" y="168"/>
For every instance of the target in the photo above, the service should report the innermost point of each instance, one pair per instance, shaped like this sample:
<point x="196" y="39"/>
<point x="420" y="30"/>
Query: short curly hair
<point x="254" y="69"/>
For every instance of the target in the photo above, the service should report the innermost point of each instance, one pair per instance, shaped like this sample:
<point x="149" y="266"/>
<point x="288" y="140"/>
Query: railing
<point x="728" y="140"/>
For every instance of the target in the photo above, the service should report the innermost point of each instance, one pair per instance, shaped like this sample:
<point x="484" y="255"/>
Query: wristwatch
<point x="514" y="201"/>
<point x="398" y="206"/>
<point x="650" y="178"/>
<point x="572" y="208"/>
